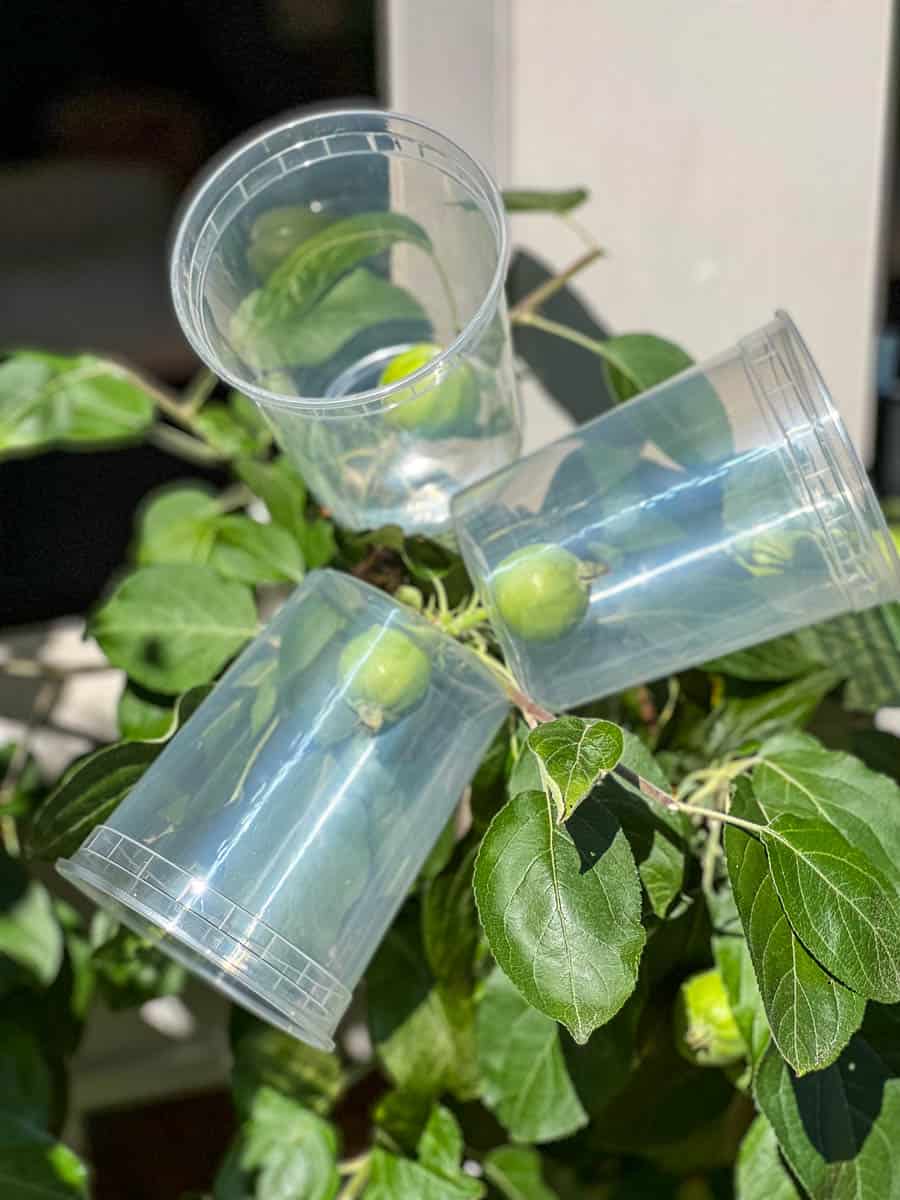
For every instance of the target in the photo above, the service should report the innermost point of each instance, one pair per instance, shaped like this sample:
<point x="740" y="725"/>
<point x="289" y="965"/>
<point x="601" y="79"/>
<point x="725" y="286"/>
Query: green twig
<point x="183" y="445"/>
<point x="533" y="714"/>
<point x="235" y="497"/>
<point x="253" y="756"/>
<point x="358" y="1170"/>
<point x="197" y="392"/>
<point x="711" y="814"/>
<point x="580" y="231"/>
<point x="711" y="852"/>
<point x="534" y="299"/>
<point x="668" y="710"/>
<point x="561" y="331"/>
<point x="715" y="777"/>
<point x="645" y="787"/>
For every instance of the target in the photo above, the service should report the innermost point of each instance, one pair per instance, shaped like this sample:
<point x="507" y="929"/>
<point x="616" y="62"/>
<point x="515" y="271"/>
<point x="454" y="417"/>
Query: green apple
<point x="384" y="674"/>
<point x="705" y="1029"/>
<point x="541" y="591"/>
<point x="448" y="407"/>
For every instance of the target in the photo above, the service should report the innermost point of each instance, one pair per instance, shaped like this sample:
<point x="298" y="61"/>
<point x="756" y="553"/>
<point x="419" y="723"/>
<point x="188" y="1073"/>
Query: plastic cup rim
<point x="854" y="482"/>
<point x="441" y="364"/>
<point x="238" y="987"/>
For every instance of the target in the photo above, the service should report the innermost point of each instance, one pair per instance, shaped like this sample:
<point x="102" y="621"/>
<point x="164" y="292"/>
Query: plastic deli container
<point x="346" y="270"/>
<point x="719" y="509"/>
<point x="271" y="843"/>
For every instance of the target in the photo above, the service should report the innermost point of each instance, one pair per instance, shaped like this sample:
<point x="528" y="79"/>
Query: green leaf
<point x="264" y="1056"/>
<point x="488" y="788"/>
<point x="516" y="200"/>
<point x="665" y="1102"/>
<point x="230" y="1182"/>
<point x="34" y="1166"/>
<point x="316" y="265"/>
<point x="569" y="938"/>
<point x="245" y="412"/>
<point x="434" y="1047"/>
<point x="358" y="302"/>
<point x="657" y="836"/>
<point x="173" y="627"/>
<point x="573" y="755"/>
<point x="318" y="543"/>
<point x="73" y="989"/>
<point x="142" y="715"/>
<point x="424" y="1033"/>
<point x="250" y="552"/>
<point x="525" y="1080"/>
<point x="280" y="488"/>
<point x="839" y="1129"/>
<point x="26" y="1086"/>
<point x="129" y="969"/>
<point x="225" y="432"/>
<point x="28" y="788"/>
<point x="760" y="1173"/>
<point x="787" y="657"/>
<point x="450" y="922"/>
<point x="441" y="852"/>
<point x="86" y="795"/>
<point x="176" y="526"/>
<point x="48" y="400"/>
<point x="639" y="361"/>
<point x="403" y="1115"/>
<point x="30" y="935"/>
<point x="441" y="1144"/>
<point x="438" y="1175"/>
<point x="525" y="775"/>
<point x="732" y="955"/>
<point x="515" y="1171"/>
<point x="147" y="717"/>
<point x="736" y="721"/>
<point x="394" y="1178"/>
<point x="843" y="910"/>
<point x="798" y="775"/>
<point x="812" y="1016"/>
<point x="292" y="1151"/>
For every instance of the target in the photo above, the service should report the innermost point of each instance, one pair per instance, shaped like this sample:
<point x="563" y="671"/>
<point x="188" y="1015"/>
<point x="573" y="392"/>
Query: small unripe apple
<point x="541" y="591"/>
<point x="705" y="1029"/>
<point x="449" y="407"/>
<point x="384" y="674"/>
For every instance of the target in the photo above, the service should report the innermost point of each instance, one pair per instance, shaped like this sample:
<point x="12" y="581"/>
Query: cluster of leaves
<point x="521" y="1008"/>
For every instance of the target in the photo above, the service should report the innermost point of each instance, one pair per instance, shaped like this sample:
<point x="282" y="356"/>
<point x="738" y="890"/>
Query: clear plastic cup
<point x="719" y="509"/>
<point x="271" y="843"/>
<point x="313" y="256"/>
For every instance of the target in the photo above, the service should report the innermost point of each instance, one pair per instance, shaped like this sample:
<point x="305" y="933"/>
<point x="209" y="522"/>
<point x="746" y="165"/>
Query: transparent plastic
<point x="721" y="508"/>
<point x="271" y="843"/>
<point x="311" y="257"/>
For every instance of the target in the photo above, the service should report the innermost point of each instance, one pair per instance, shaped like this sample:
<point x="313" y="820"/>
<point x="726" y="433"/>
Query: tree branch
<point x="534" y="299"/>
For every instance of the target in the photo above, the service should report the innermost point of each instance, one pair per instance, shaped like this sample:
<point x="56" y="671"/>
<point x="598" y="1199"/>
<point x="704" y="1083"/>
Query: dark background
<point x="109" y="107"/>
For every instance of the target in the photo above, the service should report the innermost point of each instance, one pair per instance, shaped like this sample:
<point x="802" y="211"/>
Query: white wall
<point x="734" y="148"/>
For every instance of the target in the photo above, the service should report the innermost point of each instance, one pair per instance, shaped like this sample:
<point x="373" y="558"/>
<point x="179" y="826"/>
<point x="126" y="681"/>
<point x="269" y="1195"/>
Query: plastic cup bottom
<point x="210" y="935"/>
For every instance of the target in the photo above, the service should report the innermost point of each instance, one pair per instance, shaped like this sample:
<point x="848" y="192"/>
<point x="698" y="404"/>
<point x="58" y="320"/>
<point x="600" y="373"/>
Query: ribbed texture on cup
<point x="828" y="474"/>
<point x="247" y="959"/>
<point x="278" y="149"/>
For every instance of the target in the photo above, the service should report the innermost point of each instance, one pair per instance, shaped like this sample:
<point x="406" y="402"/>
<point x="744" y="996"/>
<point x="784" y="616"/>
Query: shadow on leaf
<point x="592" y="827"/>
<point x="839" y="1106"/>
